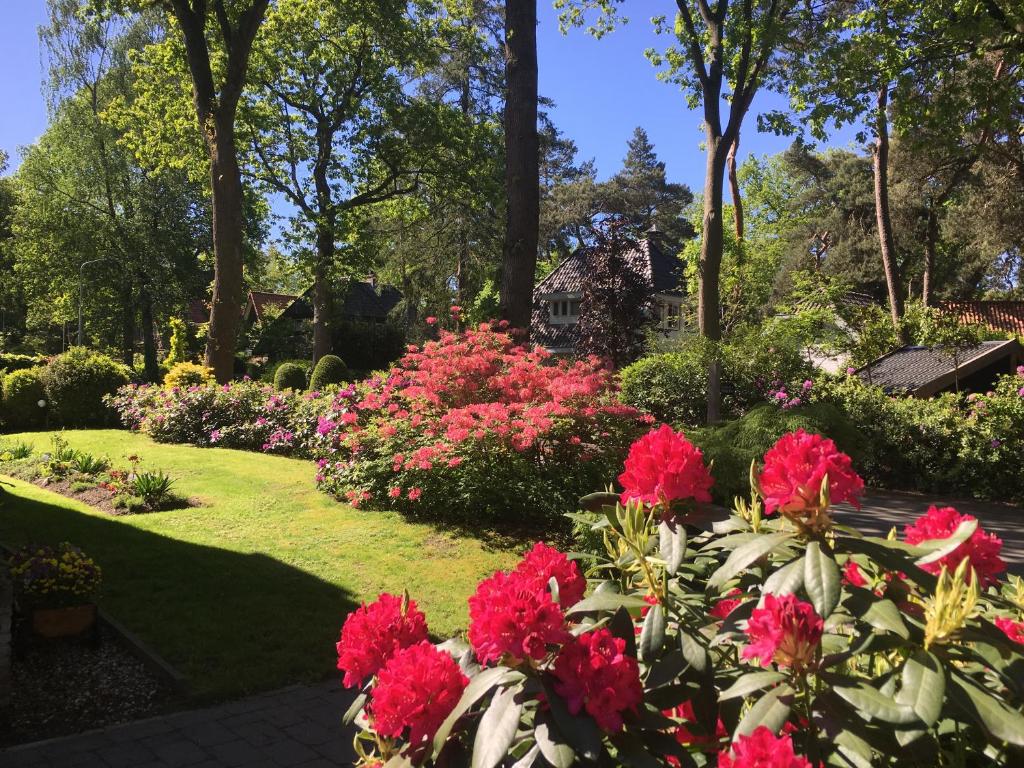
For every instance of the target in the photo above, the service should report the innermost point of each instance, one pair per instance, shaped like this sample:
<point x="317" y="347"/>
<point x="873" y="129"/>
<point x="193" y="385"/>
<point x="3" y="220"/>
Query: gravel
<point x="61" y="687"/>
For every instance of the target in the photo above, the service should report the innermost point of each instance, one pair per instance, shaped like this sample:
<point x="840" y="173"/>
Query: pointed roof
<point x="662" y="273"/>
<point x="260" y="301"/>
<point x="1007" y="316"/>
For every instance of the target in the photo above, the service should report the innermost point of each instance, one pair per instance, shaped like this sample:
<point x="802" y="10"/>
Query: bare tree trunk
<point x="522" y="163"/>
<point x="228" y="235"/>
<point x="710" y="266"/>
<point x="127" y="324"/>
<point x="931" y="242"/>
<point x="322" y="299"/>
<point x="883" y="216"/>
<point x="734" y="188"/>
<point x="152" y="369"/>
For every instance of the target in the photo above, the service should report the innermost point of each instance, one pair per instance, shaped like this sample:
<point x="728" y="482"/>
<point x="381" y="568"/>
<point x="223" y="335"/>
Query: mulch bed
<point x="60" y="687"/>
<point x="102" y="498"/>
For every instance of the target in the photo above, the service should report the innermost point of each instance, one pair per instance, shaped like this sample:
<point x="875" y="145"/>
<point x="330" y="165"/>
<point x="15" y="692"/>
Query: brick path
<point x="296" y="726"/>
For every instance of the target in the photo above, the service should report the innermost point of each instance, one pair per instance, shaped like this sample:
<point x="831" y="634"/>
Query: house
<point x="1004" y="316"/>
<point x="556" y="299"/>
<point x="927" y="371"/>
<point x="363" y="301"/>
<point x="262" y="306"/>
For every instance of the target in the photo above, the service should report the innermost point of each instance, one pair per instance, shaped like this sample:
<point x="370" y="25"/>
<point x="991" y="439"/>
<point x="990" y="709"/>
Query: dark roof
<point x="260" y="301"/>
<point x="198" y="312"/>
<point x="1006" y="316"/>
<point x="362" y="301"/>
<point x="924" y="371"/>
<point x="663" y="273"/>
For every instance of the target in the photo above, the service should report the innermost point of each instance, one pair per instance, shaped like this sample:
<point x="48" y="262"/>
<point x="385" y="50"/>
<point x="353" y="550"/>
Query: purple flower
<point x="808" y="384"/>
<point x="851" y="371"/>
<point x="996" y="442"/>
<point x="324" y="426"/>
<point x="215" y="436"/>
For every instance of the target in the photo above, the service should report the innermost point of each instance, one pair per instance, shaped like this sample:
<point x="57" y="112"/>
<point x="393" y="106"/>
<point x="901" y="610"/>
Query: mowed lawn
<point x="248" y="591"/>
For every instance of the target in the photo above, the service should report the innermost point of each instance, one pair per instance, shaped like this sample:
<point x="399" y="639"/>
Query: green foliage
<point x="154" y="488"/>
<point x="329" y="370"/>
<point x="76" y="383"/>
<point x="12" y="362"/>
<point x="185" y="374"/>
<point x="368" y="346"/>
<point x="290" y="376"/>
<point x="179" y="342"/>
<point x="485" y="305"/>
<point x="87" y="464"/>
<point x="15" y="452"/>
<point x="22" y="392"/>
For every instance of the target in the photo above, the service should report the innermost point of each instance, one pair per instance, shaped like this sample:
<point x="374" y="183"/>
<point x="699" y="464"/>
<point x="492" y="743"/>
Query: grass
<point x="246" y="592"/>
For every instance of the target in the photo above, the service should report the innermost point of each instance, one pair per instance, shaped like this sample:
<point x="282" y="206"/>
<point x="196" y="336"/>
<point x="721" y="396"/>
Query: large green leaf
<point x="883" y="614"/>
<point x="497" y="729"/>
<point x="787" y="580"/>
<point x="750" y="682"/>
<point x="993" y="715"/>
<point x="771" y="711"/>
<point x="695" y="654"/>
<point x="551" y="743"/>
<point x="606" y="601"/>
<point x="580" y="731"/>
<point x="744" y="555"/>
<point x="871" y="702"/>
<point x="672" y="545"/>
<point x="821" y="579"/>
<point x="923" y="686"/>
<point x="652" y="634"/>
<point x="476" y="690"/>
<point x="939" y="548"/>
<point x="354" y="709"/>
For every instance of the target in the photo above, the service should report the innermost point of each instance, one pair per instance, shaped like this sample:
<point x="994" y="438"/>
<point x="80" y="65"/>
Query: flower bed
<point x="776" y="638"/>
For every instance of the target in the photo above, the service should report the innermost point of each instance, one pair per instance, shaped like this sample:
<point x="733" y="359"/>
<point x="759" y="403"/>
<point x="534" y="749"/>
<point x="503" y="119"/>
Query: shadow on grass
<point x="232" y="622"/>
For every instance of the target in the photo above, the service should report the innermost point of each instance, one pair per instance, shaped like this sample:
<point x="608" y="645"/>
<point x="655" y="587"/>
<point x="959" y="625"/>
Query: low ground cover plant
<point x="768" y="636"/>
<point x="54" y="576"/>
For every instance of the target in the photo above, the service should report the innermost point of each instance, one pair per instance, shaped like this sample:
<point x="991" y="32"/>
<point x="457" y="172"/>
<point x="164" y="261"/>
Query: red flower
<point x="982" y="549"/>
<point x="727" y="604"/>
<point x="1012" y="629"/>
<point x="852" y="575"/>
<point x="593" y="673"/>
<point x="662" y="467"/>
<point x="431" y="320"/>
<point x="415" y="493"/>
<point x="762" y="749"/>
<point x="415" y="691"/>
<point x="684" y="735"/>
<point x="793" y="472"/>
<point x="514" y="614"/>
<point x="786" y="630"/>
<point x="373" y="633"/>
<point x="544" y="563"/>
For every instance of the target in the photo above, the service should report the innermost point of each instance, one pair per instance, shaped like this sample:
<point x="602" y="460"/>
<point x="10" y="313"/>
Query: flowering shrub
<point x="741" y="645"/>
<point x="50" y="577"/>
<point x="472" y="426"/>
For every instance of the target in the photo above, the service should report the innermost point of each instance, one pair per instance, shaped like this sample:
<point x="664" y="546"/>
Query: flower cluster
<point x="981" y="549"/>
<point x="762" y="749"/>
<point x="662" y="468"/>
<point x="373" y="633"/>
<point x="594" y="673"/>
<point x="782" y="395"/>
<point x="786" y="630"/>
<point x="54" y="576"/>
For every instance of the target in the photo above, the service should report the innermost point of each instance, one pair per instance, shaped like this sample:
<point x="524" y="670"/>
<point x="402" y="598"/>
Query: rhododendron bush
<point x="768" y="635"/>
<point x="473" y="426"/>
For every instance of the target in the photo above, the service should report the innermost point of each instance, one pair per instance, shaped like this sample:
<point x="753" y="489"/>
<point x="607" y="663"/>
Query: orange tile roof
<point x="1005" y="316"/>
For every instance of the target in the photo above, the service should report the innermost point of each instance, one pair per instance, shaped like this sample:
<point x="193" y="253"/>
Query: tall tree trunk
<point x="734" y="188"/>
<point x="152" y="369"/>
<point x="710" y="266"/>
<point x="228" y="235"/>
<point x="522" y="163"/>
<point x="127" y="324"/>
<point x="931" y="242"/>
<point x="883" y="216"/>
<point x="322" y="299"/>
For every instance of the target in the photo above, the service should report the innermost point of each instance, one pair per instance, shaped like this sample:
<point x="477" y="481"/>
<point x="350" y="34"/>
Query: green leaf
<point x="580" y="731"/>
<point x="606" y="601"/>
<point x="993" y="715"/>
<point x="821" y="579"/>
<point x="744" y="555"/>
<point x="883" y="614"/>
<point x="555" y="750"/>
<point x="695" y="654"/>
<point x="353" y="711"/>
<point x="621" y="626"/>
<point x="870" y="702"/>
<point x="942" y="547"/>
<point x="923" y="682"/>
<point x="787" y="580"/>
<point x="528" y="759"/>
<point x="476" y="690"/>
<point x="632" y="752"/>
<point x="652" y="634"/>
<point x="747" y="684"/>
<point x="595" y="502"/>
<point x="672" y="545"/>
<point x="497" y="729"/>
<point x="771" y="710"/>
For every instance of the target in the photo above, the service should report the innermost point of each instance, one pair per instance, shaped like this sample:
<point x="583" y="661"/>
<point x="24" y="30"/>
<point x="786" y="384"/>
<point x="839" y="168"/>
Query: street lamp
<point x="81" y="268"/>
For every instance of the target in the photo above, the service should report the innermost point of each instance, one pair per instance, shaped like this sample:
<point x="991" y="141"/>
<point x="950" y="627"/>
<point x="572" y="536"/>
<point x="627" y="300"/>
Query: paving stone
<point x="260" y="734"/>
<point x="180" y="753"/>
<point x="312" y="734"/>
<point x="208" y="733"/>
<point x="290" y="753"/>
<point x="236" y="752"/>
<point x="127" y="755"/>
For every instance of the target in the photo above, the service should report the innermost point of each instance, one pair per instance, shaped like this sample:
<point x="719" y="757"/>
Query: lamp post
<point x="81" y="269"/>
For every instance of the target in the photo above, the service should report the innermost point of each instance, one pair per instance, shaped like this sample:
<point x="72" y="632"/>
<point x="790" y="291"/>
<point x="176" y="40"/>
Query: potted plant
<point x="57" y="586"/>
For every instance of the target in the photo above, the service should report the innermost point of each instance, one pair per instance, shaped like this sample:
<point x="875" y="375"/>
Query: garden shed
<point x="927" y="371"/>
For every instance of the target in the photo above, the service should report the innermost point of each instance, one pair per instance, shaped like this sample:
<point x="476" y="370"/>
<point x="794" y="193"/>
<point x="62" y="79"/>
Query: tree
<point x="725" y="52"/>
<point x="331" y="125"/>
<point x="522" y="158"/>
<point x="217" y="37"/>
<point x="12" y="303"/>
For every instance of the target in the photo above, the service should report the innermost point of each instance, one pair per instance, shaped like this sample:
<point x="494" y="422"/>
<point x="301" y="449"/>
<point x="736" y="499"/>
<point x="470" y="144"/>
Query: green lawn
<point x="249" y="590"/>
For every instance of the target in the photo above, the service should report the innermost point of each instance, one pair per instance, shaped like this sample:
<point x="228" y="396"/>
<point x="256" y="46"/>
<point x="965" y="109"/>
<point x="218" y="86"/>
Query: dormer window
<point x="564" y="310"/>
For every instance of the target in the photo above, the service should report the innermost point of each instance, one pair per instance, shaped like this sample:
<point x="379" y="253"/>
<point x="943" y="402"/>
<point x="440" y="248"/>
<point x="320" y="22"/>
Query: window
<point x="564" y="310"/>
<point x="669" y="315"/>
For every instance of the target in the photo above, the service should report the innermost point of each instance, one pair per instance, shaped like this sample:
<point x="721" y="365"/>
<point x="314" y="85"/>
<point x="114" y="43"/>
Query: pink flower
<point x="663" y="467"/>
<point x="514" y="614"/>
<point x="394" y="492"/>
<point x="1012" y="629"/>
<point x="852" y="575"/>
<point x="373" y="633"/>
<point x="727" y="604"/>
<point x="543" y="563"/>
<point x="786" y="630"/>
<point x="762" y="749"/>
<point x="431" y="320"/>
<point x="594" y="673"/>
<point x="794" y="469"/>
<point x="415" y="493"/>
<point x="415" y="692"/>
<point x="982" y="549"/>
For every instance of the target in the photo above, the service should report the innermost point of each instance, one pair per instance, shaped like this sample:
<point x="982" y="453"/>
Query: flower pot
<point x="63" y="622"/>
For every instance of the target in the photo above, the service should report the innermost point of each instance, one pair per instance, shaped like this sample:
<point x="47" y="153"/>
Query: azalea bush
<point x="474" y="427"/>
<point x="768" y="635"/>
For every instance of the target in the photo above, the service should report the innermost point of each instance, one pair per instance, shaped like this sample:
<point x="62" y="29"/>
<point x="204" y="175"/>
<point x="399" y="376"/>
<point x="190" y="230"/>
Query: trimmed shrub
<point x="76" y="383"/>
<point x="290" y="376"/>
<point x="330" y="369"/>
<point x="10" y="362"/>
<point x="187" y="375"/>
<point x="19" y="407"/>
<point x="367" y="347"/>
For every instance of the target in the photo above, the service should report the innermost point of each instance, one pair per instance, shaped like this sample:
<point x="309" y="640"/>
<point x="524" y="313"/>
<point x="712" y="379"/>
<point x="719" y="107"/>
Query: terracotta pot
<point x="63" y="622"/>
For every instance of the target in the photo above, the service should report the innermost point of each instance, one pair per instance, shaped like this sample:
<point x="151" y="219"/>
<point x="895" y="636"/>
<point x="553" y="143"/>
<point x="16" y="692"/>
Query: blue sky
<point x="603" y="89"/>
